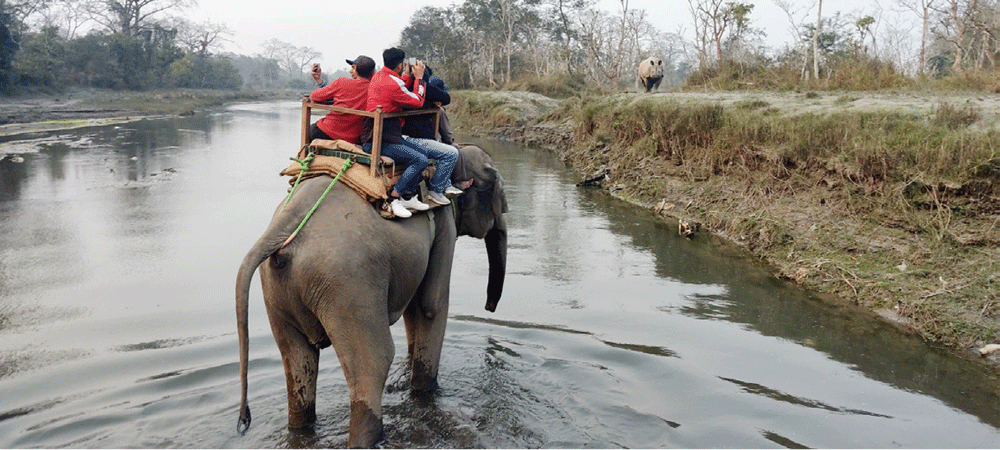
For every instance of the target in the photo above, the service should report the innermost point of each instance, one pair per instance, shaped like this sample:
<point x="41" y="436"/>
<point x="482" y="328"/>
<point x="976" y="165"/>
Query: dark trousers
<point x="316" y="133"/>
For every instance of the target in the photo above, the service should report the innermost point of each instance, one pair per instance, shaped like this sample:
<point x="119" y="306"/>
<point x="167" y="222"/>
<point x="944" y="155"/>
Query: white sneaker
<point x="438" y="198"/>
<point x="399" y="210"/>
<point x="414" y="204"/>
<point x="452" y="192"/>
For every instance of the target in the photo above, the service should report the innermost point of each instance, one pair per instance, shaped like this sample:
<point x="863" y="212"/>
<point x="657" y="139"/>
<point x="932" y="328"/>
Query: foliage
<point x="40" y="59"/>
<point x="8" y="49"/>
<point x="194" y="71"/>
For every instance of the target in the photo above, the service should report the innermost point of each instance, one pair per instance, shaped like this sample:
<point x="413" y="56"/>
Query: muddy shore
<point x="89" y="107"/>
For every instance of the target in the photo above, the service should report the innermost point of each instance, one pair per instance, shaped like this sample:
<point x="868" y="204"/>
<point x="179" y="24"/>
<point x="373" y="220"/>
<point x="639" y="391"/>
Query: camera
<point x="413" y="61"/>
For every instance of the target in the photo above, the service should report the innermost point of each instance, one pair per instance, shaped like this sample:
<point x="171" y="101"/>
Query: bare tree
<point x="710" y="16"/>
<point x="613" y="45"/>
<point x="923" y="9"/>
<point x="819" y="26"/>
<point x="292" y="59"/>
<point x="23" y="10"/>
<point x="130" y="17"/>
<point x="953" y="29"/>
<point x="714" y="20"/>
<point x="203" y="38"/>
<point x="69" y="16"/>
<point x="797" y="17"/>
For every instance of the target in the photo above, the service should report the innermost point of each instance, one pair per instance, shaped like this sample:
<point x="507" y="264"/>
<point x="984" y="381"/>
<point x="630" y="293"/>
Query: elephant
<point x="349" y="274"/>
<point x="650" y="74"/>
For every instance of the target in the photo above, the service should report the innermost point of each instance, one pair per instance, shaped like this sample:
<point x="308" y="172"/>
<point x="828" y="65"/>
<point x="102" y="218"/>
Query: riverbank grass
<point x="894" y="208"/>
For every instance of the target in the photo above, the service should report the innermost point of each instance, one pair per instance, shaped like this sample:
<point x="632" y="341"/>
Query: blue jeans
<point x="406" y="154"/>
<point x="445" y="156"/>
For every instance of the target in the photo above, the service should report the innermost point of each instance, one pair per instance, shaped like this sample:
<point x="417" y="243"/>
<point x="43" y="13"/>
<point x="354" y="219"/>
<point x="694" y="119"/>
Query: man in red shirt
<point x="388" y="90"/>
<point x="345" y="92"/>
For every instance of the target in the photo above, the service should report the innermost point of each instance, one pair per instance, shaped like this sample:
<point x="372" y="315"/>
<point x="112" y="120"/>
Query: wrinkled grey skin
<point x="349" y="274"/>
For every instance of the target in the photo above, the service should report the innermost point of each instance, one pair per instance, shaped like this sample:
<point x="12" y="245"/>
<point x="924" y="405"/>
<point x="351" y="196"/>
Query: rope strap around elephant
<point x="347" y="164"/>
<point x="303" y="167"/>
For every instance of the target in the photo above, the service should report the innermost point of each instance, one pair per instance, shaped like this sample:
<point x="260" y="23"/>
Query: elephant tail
<point x="247" y="269"/>
<point x="267" y="245"/>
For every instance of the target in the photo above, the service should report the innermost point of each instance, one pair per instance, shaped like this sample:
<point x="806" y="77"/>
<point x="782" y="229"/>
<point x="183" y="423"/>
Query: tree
<point x="796" y="18"/>
<point x="202" y="38"/>
<point x="69" y="16"/>
<point x="561" y="18"/>
<point x="41" y="57"/>
<point x="256" y="72"/>
<point x="613" y="44"/>
<point x="953" y="30"/>
<point x="713" y="19"/>
<point x="20" y="11"/>
<point x="436" y="36"/>
<point x="8" y="48"/>
<point x="292" y="59"/>
<point x="864" y="26"/>
<point x="738" y="14"/>
<point x="923" y="9"/>
<point x="816" y="32"/>
<point x="131" y="17"/>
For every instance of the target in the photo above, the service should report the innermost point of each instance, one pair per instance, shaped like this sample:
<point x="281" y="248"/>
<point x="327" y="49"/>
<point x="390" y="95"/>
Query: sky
<point x="342" y="29"/>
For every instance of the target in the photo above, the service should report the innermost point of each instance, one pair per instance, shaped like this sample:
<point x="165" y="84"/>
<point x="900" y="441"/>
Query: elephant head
<point x="480" y="215"/>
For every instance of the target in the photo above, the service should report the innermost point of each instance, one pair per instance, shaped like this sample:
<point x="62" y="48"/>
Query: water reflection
<point x="729" y="286"/>
<point x="118" y="247"/>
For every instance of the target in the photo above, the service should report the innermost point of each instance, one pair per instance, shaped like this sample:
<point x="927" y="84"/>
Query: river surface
<point x="119" y="247"/>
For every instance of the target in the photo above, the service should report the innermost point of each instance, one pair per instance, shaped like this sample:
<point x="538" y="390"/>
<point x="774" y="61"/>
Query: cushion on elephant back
<point x="343" y="149"/>
<point x="357" y="177"/>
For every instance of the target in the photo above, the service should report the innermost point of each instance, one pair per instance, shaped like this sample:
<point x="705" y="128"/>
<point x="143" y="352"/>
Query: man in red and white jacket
<point x="388" y="90"/>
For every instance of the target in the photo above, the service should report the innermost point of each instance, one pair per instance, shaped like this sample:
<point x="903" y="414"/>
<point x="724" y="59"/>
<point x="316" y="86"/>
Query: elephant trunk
<point x="496" y="251"/>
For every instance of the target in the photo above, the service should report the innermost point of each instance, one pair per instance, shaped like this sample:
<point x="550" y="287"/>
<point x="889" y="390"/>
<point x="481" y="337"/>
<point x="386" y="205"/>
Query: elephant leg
<point x="425" y="337"/>
<point x="301" y="361"/>
<point x="365" y="349"/>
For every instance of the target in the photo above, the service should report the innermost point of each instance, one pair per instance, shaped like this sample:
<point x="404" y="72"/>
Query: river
<point x="119" y="247"/>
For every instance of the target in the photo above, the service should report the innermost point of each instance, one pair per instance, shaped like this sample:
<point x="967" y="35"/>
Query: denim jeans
<point x="405" y="154"/>
<point x="445" y="156"/>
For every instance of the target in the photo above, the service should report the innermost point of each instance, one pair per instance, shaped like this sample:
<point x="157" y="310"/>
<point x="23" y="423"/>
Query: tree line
<point x="533" y="44"/>
<point x="492" y="43"/>
<point x="132" y="45"/>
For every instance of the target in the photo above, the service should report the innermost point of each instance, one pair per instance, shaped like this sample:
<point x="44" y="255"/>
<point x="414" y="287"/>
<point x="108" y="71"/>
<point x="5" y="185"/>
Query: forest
<point x="132" y="45"/>
<point x="555" y="47"/>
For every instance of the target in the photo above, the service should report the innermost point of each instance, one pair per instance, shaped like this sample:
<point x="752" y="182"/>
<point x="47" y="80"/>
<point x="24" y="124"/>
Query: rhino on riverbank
<point x="650" y="74"/>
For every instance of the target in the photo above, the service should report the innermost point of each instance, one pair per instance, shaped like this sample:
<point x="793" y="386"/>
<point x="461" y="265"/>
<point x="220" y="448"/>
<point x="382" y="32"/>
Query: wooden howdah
<point x="307" y="111"/>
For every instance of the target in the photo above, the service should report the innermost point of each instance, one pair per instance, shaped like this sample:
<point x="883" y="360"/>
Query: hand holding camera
<point x="417" y="68"/>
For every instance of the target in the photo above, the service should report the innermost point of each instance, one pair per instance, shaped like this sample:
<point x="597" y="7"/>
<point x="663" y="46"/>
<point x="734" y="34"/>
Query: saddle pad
<point x="338" y="147"/>
<point x="357" y="177"/>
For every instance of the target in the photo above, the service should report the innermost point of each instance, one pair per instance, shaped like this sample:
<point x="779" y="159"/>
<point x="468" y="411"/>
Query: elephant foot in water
<point x="366" y="427"/>
<point x="422" y="377"/>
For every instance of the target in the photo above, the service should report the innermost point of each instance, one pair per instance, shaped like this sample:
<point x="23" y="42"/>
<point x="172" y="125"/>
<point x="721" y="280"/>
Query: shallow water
<point x="118" y="253"/>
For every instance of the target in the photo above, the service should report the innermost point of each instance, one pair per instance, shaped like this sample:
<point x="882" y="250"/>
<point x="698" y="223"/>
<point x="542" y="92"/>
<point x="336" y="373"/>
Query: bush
<point x="553" y="85"/>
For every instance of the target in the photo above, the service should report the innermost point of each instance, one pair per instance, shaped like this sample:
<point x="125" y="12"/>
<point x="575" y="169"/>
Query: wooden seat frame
<point x="378" y="116"/>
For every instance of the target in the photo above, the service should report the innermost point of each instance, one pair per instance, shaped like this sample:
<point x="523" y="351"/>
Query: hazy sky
<point x="343" y="29"/>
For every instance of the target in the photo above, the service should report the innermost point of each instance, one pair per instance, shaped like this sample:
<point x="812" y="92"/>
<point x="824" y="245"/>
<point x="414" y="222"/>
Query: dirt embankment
<point x="930" y="265"/>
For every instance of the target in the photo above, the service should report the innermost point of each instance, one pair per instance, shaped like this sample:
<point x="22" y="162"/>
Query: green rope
<point x="347" y="164"/>
<point x="303" y="168"/>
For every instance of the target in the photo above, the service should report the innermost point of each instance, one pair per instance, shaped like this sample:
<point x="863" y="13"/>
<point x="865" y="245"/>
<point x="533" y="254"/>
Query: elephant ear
<point x="484" y="202"/>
